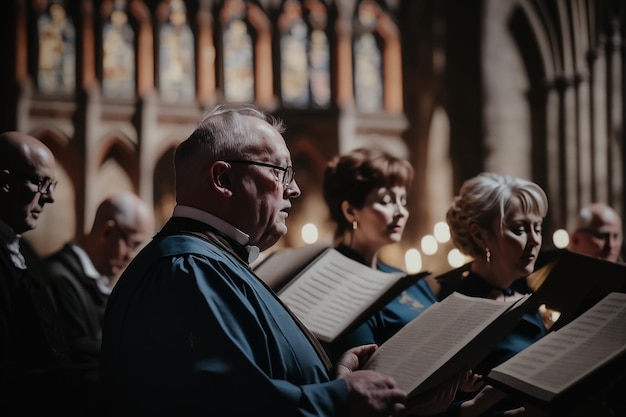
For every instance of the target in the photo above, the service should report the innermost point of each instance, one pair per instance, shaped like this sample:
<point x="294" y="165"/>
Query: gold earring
<point x="487" y="255"/>
<point x="355" y="225"/>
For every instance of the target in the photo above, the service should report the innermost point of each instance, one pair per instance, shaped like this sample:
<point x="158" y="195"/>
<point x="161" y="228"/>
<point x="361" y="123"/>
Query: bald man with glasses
<point x="83" y="272"/>
<point x="35" y="368"/>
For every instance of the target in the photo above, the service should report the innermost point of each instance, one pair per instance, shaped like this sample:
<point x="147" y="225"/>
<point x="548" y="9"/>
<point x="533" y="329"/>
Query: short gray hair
<point x="221" y="134"/>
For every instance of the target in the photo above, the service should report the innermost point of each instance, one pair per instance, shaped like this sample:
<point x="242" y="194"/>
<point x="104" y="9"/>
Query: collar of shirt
<point x="90" y="270"/>
<point x="219" y="224"/>
<point x="11" y="242"/>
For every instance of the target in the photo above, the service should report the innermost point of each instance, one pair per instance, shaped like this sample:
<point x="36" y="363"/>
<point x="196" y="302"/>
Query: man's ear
<point x="107" y="228"/>
<point x="220" y="177"/>
<point x="223" y="180"/>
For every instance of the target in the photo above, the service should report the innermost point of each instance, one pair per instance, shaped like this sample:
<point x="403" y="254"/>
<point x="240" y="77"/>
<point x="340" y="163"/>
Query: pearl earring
<point x="355" y="225"/>
<point x="487" y="255"/>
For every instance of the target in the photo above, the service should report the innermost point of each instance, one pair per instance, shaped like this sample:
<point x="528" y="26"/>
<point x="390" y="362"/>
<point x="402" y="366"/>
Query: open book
<point x="449" y="337"/>
<point x="568" y="362"/>
<point x="334" y="293"/>
<point x="567" y="282"/>
<point x="281" y="266"/>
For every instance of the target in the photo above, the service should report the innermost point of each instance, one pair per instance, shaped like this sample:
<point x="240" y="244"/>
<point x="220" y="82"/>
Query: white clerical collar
<point x="229" y="230"/>
<point x="90" y="270"/>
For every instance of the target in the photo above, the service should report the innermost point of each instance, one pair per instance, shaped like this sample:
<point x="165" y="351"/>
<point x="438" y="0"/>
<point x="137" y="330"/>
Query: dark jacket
<point x="32" y="346"/>
<point x="79" y="301"/>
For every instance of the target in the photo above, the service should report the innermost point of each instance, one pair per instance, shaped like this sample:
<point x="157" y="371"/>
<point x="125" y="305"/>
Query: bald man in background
<point x="34" y="363"/>
<point x="83" y="273"/>
<point x="598" y="232"/>
<point x="81" y="276"/>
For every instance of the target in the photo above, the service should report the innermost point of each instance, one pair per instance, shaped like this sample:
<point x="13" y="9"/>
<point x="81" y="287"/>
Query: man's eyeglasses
<point x="44" y="185"/>
<point x="129" y="243"/>
<point x="287" y="172"/>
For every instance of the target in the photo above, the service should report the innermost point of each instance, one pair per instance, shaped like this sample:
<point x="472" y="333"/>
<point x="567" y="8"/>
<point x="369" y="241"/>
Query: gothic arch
<point x="569" y="97"/>
<point x="122" y="150"/>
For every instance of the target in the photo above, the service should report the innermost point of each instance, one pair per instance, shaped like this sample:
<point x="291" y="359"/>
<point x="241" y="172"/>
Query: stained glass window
<point x="294" y="61"/>
<point x="319" y="69"/>
<point x="368" y="80"/>
<point x="57" y="52"/>
<point x="238" y="53"/>
<point x="304" y="56"/>
<point x="118" y="54"/>
<point x="176" y="56"/>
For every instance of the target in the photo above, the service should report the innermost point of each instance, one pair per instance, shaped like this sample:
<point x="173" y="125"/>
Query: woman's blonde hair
<point x="488" y="197"/>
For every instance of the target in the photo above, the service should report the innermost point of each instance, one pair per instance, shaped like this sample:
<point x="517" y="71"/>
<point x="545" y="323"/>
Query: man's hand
<point x="482" y="401"/>
<point x="438" y="399"/>
<point x="353" y="359"/>
<point x="371" y="393"/>
<point x="471" y="382"/>
<point x="488" y="397"/>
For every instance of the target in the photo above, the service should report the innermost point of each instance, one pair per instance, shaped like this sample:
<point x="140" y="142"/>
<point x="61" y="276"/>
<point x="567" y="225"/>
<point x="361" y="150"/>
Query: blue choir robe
<point x="190" y="330"/>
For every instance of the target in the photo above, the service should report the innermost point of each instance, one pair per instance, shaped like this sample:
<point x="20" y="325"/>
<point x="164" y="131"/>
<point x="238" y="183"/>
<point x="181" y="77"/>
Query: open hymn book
<point x="567" y="362"/>
<point x="449" y="337"/>
<point x="334" y="293"/>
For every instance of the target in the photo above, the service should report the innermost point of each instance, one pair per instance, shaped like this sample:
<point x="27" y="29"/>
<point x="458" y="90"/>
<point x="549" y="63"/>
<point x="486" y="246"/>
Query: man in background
<point x="34" y="364"/>
<point x="83" y="273"/>
<point x="598" y="232"/>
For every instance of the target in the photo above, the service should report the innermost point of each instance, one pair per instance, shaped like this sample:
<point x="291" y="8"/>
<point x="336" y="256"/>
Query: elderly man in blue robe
<point x="190" y="330"/>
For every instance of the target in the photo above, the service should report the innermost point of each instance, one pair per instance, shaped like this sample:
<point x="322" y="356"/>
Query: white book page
<point x="431" y="339"/>
<point x="564" y="357"/>
<point x="330" y="294"/>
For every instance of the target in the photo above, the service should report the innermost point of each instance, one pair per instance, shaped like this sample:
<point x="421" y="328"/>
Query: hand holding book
<point x="451" y="336"/>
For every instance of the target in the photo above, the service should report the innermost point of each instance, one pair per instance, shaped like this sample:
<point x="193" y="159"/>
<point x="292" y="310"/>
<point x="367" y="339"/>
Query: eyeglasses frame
<point x="44" y="185"/>
<point x="288" y="173"/>
<point x="130" y="245"/>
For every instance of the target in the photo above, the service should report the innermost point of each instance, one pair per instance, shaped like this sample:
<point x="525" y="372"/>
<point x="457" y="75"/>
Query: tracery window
<point x="304" y="55"/>
<point x="368" y="78"/>
<point x="238" y="53"/>
<point x="56" y="71"/>
<point x="118" y="53"/>
<point x="176" y="56"/>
